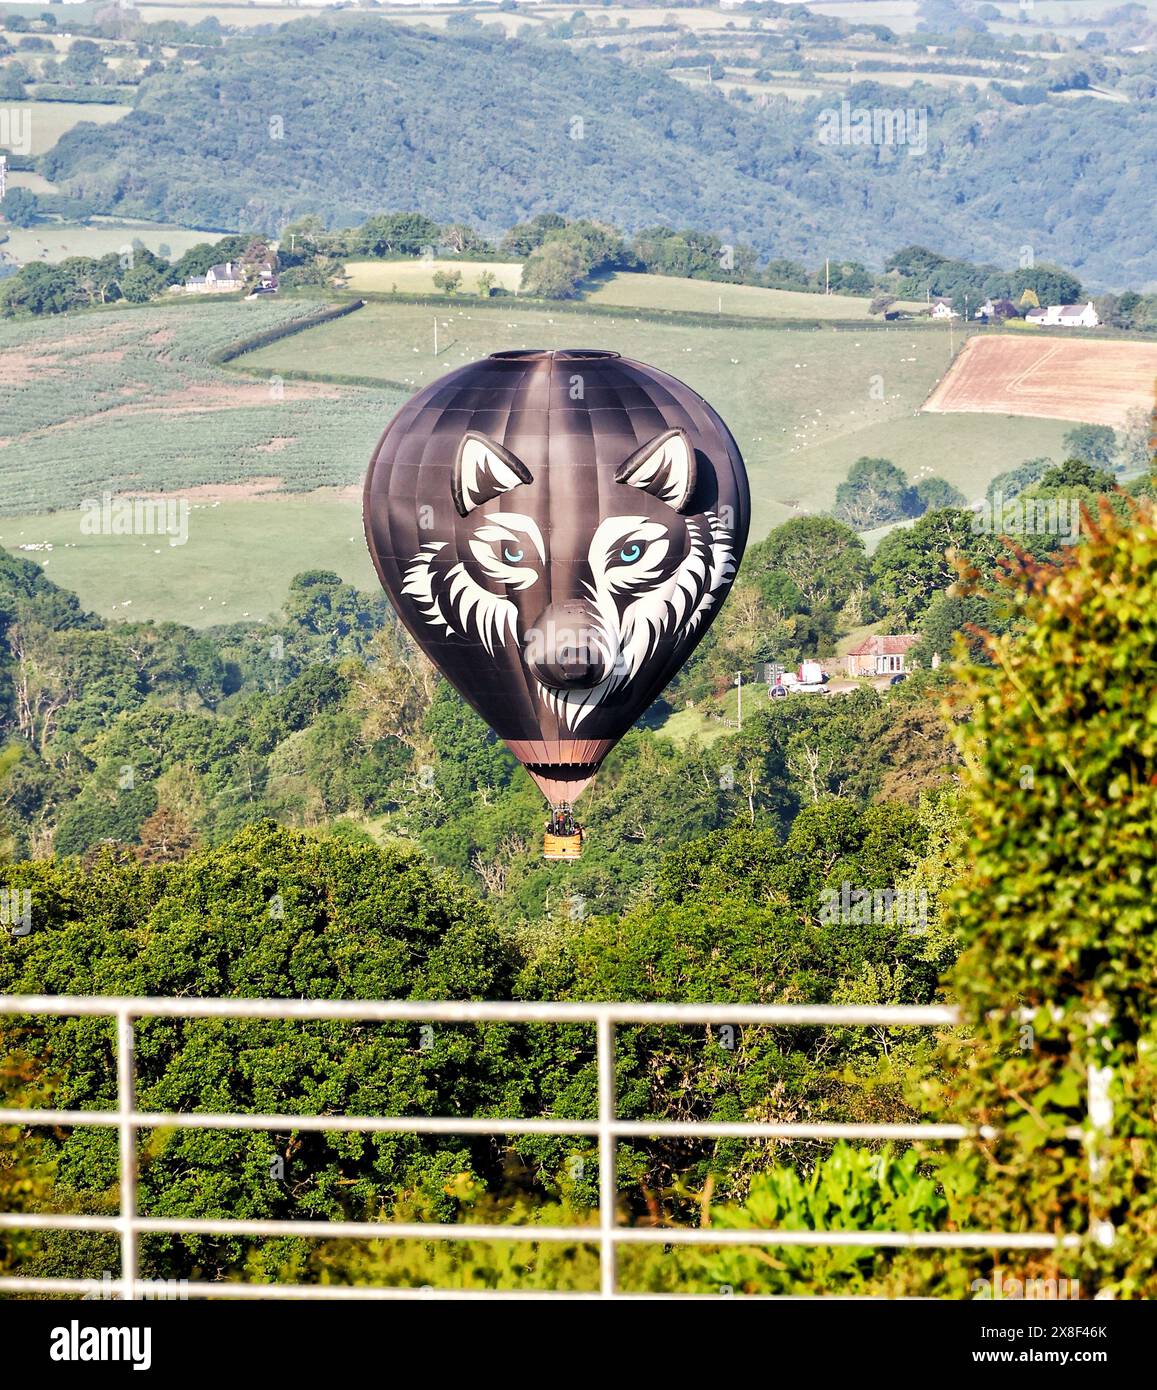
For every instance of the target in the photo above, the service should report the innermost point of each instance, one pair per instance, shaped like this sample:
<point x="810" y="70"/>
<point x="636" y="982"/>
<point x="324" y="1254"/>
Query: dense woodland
<point x="362" y="121"/>
<point x="164" y="738"/>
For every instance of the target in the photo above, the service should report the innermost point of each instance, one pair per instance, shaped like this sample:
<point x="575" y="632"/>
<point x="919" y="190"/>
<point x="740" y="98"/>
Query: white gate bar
<point x="608" y="1158"/>
<point x="567" y="1235"/>
<point x="126" y="1099"/>
<point x="499" y="1125"/>
<point x="608" y="1129"/>
<point x="487" y="1011"/>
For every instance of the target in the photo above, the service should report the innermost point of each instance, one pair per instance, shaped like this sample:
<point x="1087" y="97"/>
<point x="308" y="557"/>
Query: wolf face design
<point x="637" y="579"/>
<point x="557" y="530"/>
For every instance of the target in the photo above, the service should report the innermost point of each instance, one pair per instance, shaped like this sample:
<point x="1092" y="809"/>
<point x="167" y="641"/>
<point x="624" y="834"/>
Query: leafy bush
<point x="852" y="1189"/>
<point x="1057" y="915"/>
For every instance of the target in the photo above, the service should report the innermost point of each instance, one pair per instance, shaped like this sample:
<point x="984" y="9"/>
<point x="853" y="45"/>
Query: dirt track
<point x="1097" y="381"/>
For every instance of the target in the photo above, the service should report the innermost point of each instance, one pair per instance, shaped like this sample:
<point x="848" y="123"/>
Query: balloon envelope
<point x="557" y="531"/>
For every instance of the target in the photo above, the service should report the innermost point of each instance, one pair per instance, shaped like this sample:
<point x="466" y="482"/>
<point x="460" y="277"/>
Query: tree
<point x="284" y="914"/>
<point x="1049" y="283"/>
<point x="39" y="289"/>
<point x="165" y="836"/>
<point x="913" y="565"/>
<point x="463" y="240"/>
<point x="447" y="280"/>
<point x="20" y="207"/>
<point x="1095" y="444"/>
<point x="936" y="494"/>
<point x="529" y="236"/>
<point x="304" y="235"/>
<point x="554" y="271"/>
<point x="824" y="559"/>
<point x="1057" y="914"/>
<point x="258" y="255"/>
<point x="398" y="234"/>
<point x="1138" y="440"/>
<point x="1076" y="473"/>
<point x="486" y="282"/>
<point x="1014" y="481"/>
<point x="197" y="259"/>
<point x="875" y="492"/>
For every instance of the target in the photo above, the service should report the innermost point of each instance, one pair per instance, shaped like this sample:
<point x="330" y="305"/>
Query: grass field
<point x="50" y="119"/>
<point x="417" y="276"/>
<point x="804" y="404"/>
<point x="238" y="561"/>
<point x="236" y="16"/>
<point x="129" y="399"/>
<point x="35" y="183"/>
<point x="638" y="291"/>
<point x="1098" y="381"/>
<point x="901" y="16"/>
<point x="56" y="241"/>
<point x="904" y="79"/>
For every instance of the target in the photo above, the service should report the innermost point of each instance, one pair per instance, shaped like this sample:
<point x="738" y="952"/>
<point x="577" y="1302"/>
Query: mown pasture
<point x="417" y="276"/>
<point x="52" y="242"/>
<point x="236" y="563"/>
<point x="803" y="403"/>
<point x="130" y="400"/>
<point x="635" y="290"/>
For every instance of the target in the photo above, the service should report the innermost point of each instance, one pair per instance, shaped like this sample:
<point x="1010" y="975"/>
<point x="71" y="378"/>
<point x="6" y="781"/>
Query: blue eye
<point x="512" y="557"/>
<point x="630" y="553"/>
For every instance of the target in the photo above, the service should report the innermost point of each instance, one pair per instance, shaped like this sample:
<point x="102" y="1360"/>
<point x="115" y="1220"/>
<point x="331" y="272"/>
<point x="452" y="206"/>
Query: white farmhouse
<point x="218" y="279"/>
<point x="1065" y="316"/>
<point x="1077" y="315"/>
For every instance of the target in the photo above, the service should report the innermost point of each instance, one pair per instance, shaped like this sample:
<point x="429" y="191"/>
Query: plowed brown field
<point x="1098" y="381"/>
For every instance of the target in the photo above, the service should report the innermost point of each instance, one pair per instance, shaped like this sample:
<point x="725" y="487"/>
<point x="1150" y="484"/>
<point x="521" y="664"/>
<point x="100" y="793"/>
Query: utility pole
<point x="435" y="335"/>
<point x="827" y="275"/>
<point x="739" y="686"/>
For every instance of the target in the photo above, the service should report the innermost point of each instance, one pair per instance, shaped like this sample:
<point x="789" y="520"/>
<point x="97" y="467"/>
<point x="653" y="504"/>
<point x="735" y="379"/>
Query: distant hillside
<point x="351" y="116"/>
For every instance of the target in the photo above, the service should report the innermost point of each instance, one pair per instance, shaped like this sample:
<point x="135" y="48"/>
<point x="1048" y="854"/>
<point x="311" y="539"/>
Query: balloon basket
<point x="562" y="846"/>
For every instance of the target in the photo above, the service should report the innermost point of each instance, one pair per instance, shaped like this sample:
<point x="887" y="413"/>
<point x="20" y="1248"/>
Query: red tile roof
<point x="892" y="644"/>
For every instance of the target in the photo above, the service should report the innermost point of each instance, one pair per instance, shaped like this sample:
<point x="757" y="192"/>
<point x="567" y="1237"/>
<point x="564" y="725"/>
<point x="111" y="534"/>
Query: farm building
<point x="880" y="655"/>
<point x="997" y="310"/>
<point x="218" y="279"/>
<point x="1065" y="316"/>
<point x="942" y="309"/>
<point x="1078" y="316"/>
<point x="227" y="279"/>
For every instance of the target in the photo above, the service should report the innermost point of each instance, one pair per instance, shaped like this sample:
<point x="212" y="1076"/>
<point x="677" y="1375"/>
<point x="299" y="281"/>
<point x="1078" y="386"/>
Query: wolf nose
<point x="562" y="650"/>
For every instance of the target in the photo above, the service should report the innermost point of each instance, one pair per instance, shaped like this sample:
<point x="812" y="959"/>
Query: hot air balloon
<point x="557" y="531"/>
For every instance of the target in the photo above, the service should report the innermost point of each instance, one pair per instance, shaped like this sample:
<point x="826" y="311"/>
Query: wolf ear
<point x="484" y="470"/>
<point x="664" y="467"/>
